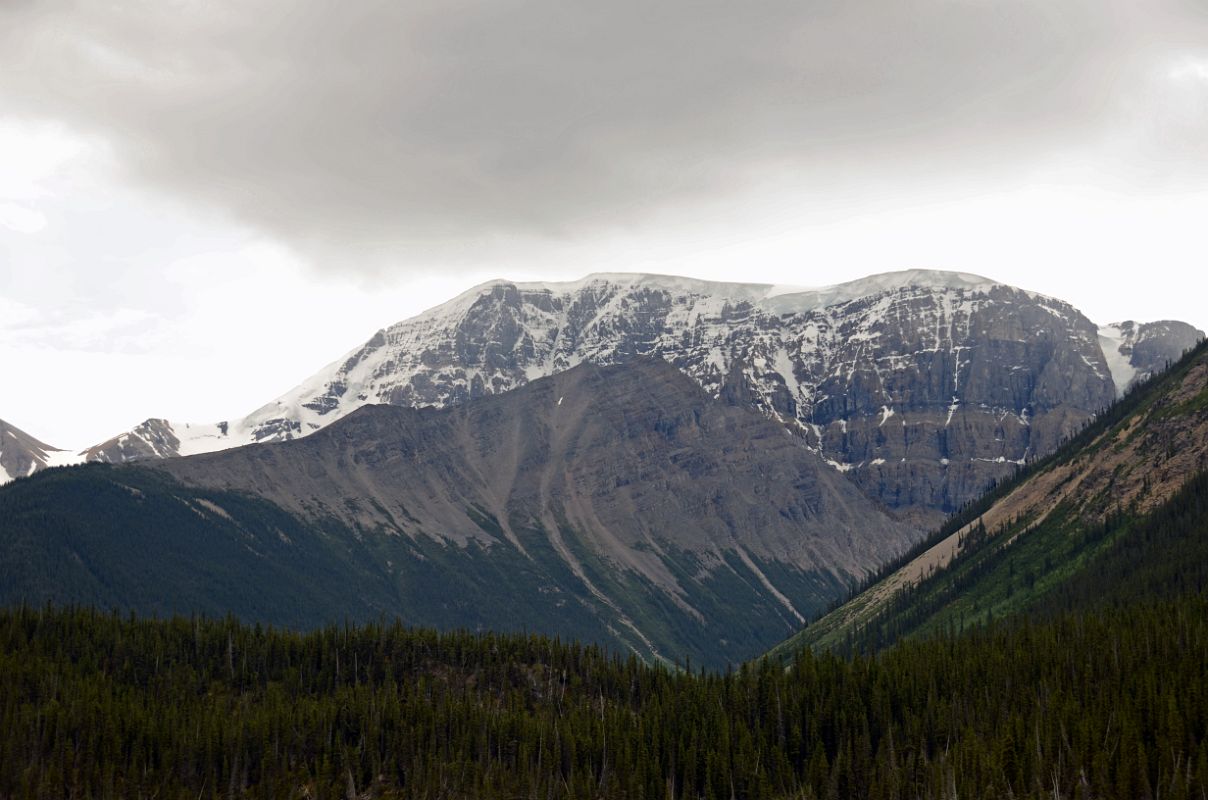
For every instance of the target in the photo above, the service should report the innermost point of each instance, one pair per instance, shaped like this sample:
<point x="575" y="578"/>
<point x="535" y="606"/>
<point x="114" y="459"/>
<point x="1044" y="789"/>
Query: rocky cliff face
<point x="922" y="386"/>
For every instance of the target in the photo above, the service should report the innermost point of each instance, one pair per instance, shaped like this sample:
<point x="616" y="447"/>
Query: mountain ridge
<point x="933" y="351"/>
<point x="22" y="455"/>
<point x="613" y="503"/>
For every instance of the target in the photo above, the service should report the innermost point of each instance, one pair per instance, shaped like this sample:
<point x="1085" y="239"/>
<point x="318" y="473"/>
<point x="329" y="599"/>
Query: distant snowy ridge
<point x="787" y="297"/>
<point x="927" y="348"/>
<point x="379" y="370"/>
<point x="1135" y="351"/>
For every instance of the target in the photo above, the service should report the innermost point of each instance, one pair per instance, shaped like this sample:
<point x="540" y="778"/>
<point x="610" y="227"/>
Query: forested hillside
<point x="1116" y="507"/>
<point x="1124" y="560"/>
<point x="1081" y="705"/>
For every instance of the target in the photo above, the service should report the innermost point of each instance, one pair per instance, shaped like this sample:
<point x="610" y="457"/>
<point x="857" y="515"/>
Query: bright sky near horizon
<point x="202" y="204"/>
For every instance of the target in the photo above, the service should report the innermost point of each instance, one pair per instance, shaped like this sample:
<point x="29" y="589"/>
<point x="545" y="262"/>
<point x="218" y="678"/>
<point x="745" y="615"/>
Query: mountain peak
<point x="860" y="287"/>
<point x="1136" y="350"/>
<point x="22" y="454"/>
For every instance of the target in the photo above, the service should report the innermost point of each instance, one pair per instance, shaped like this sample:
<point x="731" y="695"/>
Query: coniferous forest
<point x="1099" y="704"/>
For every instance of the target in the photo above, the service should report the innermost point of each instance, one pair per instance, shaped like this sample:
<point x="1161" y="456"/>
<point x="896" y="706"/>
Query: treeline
<point x="1124" y="559"/>
<point x="1080" y="706"/>
<point x="1162" y="554"/>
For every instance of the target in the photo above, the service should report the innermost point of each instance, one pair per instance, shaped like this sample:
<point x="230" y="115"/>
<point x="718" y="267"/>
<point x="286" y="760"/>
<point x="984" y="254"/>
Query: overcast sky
<point x="201" y="203"/>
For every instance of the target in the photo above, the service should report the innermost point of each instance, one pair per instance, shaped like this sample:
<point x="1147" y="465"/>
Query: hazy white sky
<point x="199" y="208"/>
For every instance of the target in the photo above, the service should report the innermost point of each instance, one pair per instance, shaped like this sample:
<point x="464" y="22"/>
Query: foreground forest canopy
<point x="1101" y="704"/>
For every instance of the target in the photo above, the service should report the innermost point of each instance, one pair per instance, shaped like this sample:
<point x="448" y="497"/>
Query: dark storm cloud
<point x="429" y="131"/>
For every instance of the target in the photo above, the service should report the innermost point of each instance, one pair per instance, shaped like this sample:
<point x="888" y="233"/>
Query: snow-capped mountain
<point x="1135" y="351"/>
<point x="22" y="454"/>
<point x="923" y="384"/>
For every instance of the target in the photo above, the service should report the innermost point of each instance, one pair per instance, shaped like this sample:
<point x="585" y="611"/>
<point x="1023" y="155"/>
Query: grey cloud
<point x="430" y="132"/>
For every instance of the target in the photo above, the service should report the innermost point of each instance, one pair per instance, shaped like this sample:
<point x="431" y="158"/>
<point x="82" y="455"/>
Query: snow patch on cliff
<point x="1113" y="341"/>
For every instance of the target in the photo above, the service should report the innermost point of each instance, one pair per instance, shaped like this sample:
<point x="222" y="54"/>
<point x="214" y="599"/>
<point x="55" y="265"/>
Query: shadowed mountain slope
<point x="620" y="504"/>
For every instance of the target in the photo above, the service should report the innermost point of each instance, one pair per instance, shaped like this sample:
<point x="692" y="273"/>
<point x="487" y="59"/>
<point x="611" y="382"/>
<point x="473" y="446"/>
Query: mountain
<point x="618" y="504"/>
<point x="1136" y="351"/>
<point x="22" y="454"/>
<point x="1121" y="503"/>
<point x="923" y="386"/>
